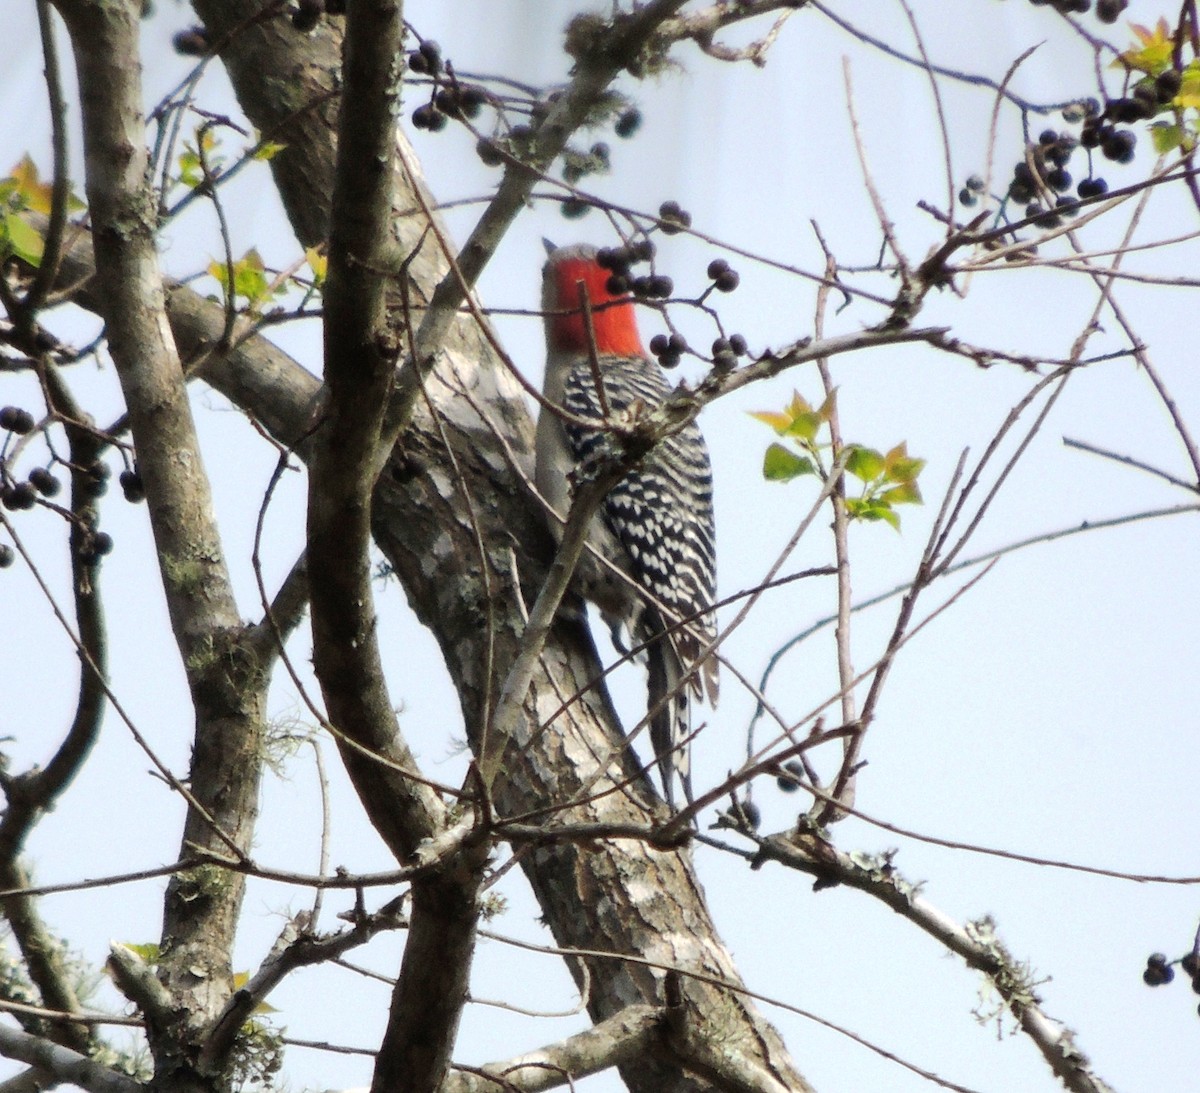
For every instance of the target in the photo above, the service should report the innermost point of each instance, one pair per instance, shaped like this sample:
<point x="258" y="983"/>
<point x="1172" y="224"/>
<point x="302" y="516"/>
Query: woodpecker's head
<point x="569" y="272"/>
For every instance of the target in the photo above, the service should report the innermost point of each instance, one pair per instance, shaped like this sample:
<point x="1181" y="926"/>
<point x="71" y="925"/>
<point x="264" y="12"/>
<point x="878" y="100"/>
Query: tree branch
<point x="65" y="1065"/>
<point x="977" y="943"/>
<point x="619" y="1039"/>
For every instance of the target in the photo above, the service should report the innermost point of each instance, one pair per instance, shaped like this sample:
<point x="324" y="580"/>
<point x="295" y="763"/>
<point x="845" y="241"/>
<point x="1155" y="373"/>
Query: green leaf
<point x="781" y="464"/>
<point x="23" y="240"/>
<point x="906" y="494"/>
<point x="889" y="517"/>
<point x="269" y="149"/>
<point x="147" y="951"/>
<point x="865" y="464"/>
<point x="1158" y="48"/>
<point x="779" y="422"/>
<point x="1166" y="137"/>
<point x="318" y="263"/>
<point x="805" y="425"/>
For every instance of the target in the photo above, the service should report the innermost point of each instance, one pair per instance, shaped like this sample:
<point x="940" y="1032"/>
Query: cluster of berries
<point x="449" y="98"/>
<point x="17" y="495"/>
<point x="1159" y="970"/>
<point x="1107" y="11"/>
<point x="307" y="13"/>
<point x="619" y="261"/>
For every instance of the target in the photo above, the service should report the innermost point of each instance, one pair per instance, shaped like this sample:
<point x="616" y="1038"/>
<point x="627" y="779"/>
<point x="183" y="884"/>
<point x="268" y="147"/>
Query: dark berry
<point x="1119" y="146"/>
<point x="642" y="287"/>
<point x="427" y="116"/>
<point x="307" y="15"/>
<point x="192" y="42"/>
<point x="716" y="267"/>
<point x="725" y="361"/>
<point x="16" y="420"/>
<point x="642" y="250"/>
<point x="1146" y="96"/>
<point x="617" y="284"/>
<point x="1167" y="84"/>
<point x="721" y="345"/>
<point x="795" y="769"/>
<point x="1191" y="964"/>
<point x="1109" y="11"/>
<point x="669" y="360"/>
<point x="18" y="496"/>
<point x="1021" y="191"/>
<point x="6" y="556"/>
<point x="967" y="197"/>
<point x="975" y="184"/>
<point x="673" y="219"/>
<point x="660" y="344"/>
<point x="44" y="482"/>
<point x="628" y="123"/>
<point x="661" y="286"/>
<point x="1047" y="136"/>
<point x="1125" y="111"/>
<point x="471" y="100"/>
<point x="488" y="151"/>
<point x="426" y="58"/>
<point x="132" y="486"/>
<point x="738" y="344"/>
<point x="573" y="208"/>
<point x="447" y="101"/>
<point x="613" y="258"/>
<point x="1059" y="180"/>
<point x="102" y="543"/>
<point x="728" y="281"/>
<point x="677" y="343"/>
<point x="1155" y="976"/>
<point x="95" y="480"/>
<point x="1092" y="134"/>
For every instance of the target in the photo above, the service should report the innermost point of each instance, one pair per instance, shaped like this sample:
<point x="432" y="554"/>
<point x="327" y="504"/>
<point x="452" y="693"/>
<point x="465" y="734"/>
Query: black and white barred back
<point x="661" y="513"/>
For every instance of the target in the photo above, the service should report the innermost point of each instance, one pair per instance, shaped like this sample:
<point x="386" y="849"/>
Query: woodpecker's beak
<point x="550" y="247"/>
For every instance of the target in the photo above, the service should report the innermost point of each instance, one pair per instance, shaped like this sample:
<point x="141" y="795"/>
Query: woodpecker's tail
<point x="670" y="718"/>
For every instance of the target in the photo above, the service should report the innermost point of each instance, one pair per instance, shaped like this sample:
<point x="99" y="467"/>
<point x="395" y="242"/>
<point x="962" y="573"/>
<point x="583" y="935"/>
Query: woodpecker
<point x="656" y="524"/>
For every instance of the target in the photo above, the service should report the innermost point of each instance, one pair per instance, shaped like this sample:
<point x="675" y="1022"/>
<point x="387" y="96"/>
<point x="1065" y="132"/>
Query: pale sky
<point x="1048" y="712"/>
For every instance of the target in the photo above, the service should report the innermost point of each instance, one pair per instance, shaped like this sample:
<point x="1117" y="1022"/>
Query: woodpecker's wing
<point x="661" y="511"/>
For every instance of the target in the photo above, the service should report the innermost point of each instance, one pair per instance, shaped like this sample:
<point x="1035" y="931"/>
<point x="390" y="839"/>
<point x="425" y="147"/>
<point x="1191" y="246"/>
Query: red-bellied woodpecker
<point x="656" y="524"/>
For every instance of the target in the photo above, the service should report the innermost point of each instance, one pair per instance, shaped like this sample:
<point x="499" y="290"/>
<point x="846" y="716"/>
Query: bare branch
<point x="977" y="943"/>
<point x="64" y="1064"/>
<point x="609" y="1043"/>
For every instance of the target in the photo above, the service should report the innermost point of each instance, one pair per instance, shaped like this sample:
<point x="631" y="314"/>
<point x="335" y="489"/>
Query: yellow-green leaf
<point x="1156" y="52"/>
<point x="781" y="464"/>
<point x="865" y="464"/>
<point x="805" y="425"/>
<point x="268" y="149"/>
<point x="318" y="263"/>
<point x="778" y="422"/>
<point x="23" y="240"/>
<point x="1189" y="88"/>
<point x="907" y="494"/>
<point x="1166" y="137"/>
<point x="35" y="194"/>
